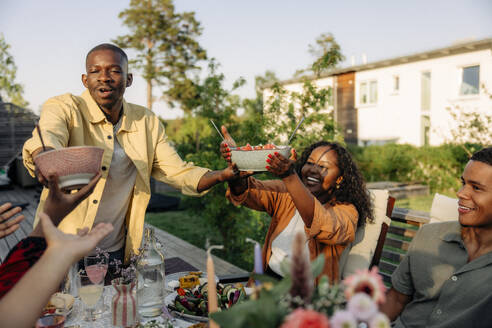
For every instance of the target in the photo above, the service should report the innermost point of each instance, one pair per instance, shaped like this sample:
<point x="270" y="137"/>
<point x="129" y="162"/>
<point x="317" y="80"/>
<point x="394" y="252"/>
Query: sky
<point x="49" y="39"/>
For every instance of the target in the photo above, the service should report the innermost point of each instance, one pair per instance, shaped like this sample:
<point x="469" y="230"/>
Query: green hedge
<point x="438" y="167"/>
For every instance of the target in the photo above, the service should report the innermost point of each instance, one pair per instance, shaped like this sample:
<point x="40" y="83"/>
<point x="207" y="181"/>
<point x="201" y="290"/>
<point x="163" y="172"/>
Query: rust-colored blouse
<point x="332" y="229"/>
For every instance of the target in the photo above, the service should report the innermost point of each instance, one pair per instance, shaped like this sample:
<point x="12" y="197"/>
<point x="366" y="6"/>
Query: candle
<point x="212" y="288"/>
<point x="258" y="258"/>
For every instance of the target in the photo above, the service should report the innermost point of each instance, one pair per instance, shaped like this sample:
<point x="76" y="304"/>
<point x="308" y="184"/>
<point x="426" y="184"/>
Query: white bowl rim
<point x="281" y="147"/>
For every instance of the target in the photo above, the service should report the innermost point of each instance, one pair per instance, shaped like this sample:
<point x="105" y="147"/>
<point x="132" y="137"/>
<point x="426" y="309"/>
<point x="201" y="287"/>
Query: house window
<point x="368" y="93"/>
<point x="396" y="84"/>
<point x="363" y="93"/>
<point x="470" y="80"/>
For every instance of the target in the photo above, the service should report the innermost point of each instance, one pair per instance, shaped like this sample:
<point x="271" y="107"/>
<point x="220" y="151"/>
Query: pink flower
<point x="365" y="281"/>
<point x="362" y="306"/>
<point x="301" y="318"/>
<point x="343" y="319"/>
<point x="380" y="320"/>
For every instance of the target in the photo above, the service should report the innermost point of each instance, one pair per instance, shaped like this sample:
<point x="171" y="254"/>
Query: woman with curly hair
<point x="323" y="194"/>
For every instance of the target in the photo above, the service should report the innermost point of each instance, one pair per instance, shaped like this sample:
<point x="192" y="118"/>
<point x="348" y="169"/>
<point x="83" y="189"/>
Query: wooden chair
<point x="382" y="235"/>
<point x="365" y="251"/>
<point x="398" y="238"/>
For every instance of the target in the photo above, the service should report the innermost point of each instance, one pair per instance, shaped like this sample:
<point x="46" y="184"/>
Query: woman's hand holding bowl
<point x="280" y="166"/>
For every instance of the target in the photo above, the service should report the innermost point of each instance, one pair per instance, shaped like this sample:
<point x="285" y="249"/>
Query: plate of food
<point x="186" y="279"/>
<point x="191" y="303"/>
<point x="60" y="303"/>
<point x="253" y="158"/>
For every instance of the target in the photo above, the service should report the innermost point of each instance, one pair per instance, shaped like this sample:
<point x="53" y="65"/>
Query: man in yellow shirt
<point x="135" y="148"/>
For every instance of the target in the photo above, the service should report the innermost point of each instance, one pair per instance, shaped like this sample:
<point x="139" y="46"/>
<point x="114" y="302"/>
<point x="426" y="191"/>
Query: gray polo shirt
<point x="447" y="291"/>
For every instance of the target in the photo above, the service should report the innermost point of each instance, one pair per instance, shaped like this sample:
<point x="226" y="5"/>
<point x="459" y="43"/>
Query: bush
<point x="438" y="167"/>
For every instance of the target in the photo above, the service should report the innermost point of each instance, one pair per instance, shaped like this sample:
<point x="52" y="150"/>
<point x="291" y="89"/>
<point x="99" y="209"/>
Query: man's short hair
<point x="484" y="156"/>
<point x="108" y="46"/>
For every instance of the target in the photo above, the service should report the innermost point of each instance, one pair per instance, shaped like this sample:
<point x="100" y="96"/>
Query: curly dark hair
<point x="352" y="188"/>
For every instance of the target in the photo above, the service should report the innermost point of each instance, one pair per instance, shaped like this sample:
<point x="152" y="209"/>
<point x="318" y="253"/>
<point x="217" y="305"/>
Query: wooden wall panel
<point x="346" y="113"/>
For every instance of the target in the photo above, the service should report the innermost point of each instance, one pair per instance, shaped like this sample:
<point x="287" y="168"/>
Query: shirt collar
<point x="96" y="115"/>
<point x="451" y="232"/>
<point x="127" y="118"/>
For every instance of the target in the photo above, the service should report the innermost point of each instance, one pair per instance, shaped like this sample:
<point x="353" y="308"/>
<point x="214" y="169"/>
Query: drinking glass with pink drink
<point x="96" y="267"/>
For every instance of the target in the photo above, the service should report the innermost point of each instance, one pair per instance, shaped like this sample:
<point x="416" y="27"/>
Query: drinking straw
<point x="216" y="128"/>
<point x="295" y="130"/>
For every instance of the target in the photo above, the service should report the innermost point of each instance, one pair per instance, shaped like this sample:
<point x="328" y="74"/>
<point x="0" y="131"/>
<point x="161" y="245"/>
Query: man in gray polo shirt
<point x="445" y="280"/>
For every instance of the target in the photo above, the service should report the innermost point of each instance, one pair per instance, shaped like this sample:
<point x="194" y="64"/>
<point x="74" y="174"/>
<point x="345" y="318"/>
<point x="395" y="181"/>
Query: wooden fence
<point x="16" y="125"/>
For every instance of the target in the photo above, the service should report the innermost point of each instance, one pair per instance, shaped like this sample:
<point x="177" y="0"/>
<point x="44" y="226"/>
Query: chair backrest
<point x="366" y="249"/>
<point x="443" y="209"/>
<point x="382" y="235"/>
<point x="400" y="235"/>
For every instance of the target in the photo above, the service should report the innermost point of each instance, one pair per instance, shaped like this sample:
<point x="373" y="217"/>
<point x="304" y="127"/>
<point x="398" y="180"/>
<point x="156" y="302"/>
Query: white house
<point x="407" y="99"/>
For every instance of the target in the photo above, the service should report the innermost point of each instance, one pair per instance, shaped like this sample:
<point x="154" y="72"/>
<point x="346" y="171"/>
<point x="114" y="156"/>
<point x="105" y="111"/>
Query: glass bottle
<point x="150" y="275"/>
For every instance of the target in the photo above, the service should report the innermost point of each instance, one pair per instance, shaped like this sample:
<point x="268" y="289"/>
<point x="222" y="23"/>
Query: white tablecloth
<point x="76" y="316"/>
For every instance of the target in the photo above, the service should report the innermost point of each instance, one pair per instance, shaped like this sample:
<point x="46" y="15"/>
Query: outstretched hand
<point x="225" y="146"/>
<point x="41" y="178"/>
<point x="59" y="204"/>
<point x="280" y="166"/>
<point x="71" y="246"/>
<point x="231" y="172"/>
<point x="9" y="226"/>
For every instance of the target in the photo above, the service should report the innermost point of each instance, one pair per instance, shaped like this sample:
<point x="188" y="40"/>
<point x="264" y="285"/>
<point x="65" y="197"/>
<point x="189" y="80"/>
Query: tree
<point x="197" y="141"/>
<point x="472" y="127"/>
<point x="327" y="53"/>
<point x="10" y="91"/>
<point x="284" y="109"/>
<point x="166" y="46"/>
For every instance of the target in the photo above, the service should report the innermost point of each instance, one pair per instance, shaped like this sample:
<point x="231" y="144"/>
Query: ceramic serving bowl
<point x="255" y="160"/>
<point x="74" y="166"/>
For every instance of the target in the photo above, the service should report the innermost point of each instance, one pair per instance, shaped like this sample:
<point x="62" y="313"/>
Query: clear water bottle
<point x="150" y="275"/>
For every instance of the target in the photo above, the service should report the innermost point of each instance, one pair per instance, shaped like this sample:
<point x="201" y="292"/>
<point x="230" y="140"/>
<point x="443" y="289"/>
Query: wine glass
<point x="90" y="291"/>
<point x="96" y="267"/>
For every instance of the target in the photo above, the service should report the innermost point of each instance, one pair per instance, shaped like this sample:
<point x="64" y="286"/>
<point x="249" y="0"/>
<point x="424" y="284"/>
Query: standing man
<point x="135" y="148"/>
<point x="445" y="280"/>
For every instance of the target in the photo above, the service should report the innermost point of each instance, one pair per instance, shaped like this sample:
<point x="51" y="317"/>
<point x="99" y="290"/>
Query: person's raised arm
<point x="22" y="305"/>
<point x="303" y="199"/>
<point x="238" y="183"/>
<point x="54" y="123"/>
<point x="395" y="303"/>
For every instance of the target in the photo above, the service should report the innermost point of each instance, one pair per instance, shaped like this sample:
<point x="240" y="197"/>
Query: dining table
<point x="174" y="267"/>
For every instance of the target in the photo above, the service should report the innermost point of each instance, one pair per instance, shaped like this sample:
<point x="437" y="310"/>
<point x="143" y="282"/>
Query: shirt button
<point x="110" y="137"/>
<point x="103" y="168"/>
<point x="95" y="201"/>
<point x="454" y="278"/>
<point x="438" y="312"/>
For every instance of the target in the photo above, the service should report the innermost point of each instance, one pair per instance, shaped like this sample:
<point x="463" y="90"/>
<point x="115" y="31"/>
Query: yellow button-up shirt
<point x="69" y="120"/>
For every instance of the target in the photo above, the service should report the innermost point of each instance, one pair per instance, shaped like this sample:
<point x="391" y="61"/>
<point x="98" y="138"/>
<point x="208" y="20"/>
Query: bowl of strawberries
<point x="253" y="158"/>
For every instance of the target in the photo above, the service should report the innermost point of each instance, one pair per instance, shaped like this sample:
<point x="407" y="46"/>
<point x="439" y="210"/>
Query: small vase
<point x="124" y="304"/>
